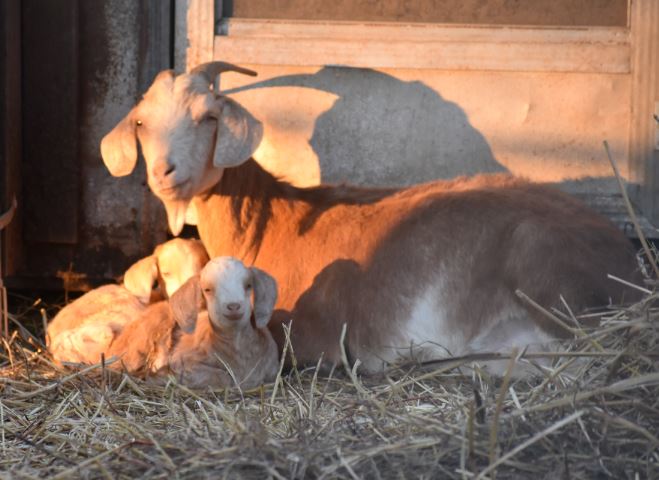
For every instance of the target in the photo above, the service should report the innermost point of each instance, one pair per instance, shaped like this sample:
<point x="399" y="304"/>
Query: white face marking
<point x="227" y="286"/>
<point x="176" y="129"/>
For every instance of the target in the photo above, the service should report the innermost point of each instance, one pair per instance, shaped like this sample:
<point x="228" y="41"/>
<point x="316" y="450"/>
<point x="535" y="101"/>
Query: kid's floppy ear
<point x="139" y="278"/>
<point x="265" y="296"/>
<point x="186" y="303"/>
<point x="119" y="147"/>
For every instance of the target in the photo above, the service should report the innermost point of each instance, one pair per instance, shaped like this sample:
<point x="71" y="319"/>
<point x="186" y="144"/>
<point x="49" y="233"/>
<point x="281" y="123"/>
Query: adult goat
<point x="427" y="271"/>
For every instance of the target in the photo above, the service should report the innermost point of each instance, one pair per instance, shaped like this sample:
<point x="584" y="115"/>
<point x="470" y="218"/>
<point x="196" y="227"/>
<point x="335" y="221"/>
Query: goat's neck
<point x="232" y="336"/>
<point x="238" y="346"/>
<point x="239" y="208"/>
<point x="234" y="214"/>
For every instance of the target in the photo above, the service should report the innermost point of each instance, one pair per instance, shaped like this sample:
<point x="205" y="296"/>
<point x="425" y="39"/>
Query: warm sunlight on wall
<point x="288" y="115"/>
<point x="405" y="126"/>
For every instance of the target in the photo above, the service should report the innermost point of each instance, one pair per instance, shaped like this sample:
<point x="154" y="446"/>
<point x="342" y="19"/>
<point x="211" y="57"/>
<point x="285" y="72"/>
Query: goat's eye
<point x="248" y="286"/>
<point x="165" y="274"/>
<point x="207" y="290"/>
<point x="138" y="123"/>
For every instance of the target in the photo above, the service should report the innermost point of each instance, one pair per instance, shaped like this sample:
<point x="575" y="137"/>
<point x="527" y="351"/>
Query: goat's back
<point x="437" y="262"/>
<point x="109" y="301"/>
<point x="456" y="250"/>
<point x="84" y="328"/>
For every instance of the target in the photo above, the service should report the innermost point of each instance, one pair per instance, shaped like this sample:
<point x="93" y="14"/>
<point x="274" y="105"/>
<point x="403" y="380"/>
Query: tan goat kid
<point x="204" y="335"/>
<point x="425" y="271"/>
<point x="84" y="329"/>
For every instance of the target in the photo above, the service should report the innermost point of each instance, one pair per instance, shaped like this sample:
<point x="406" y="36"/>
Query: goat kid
<point x="84" y="329"/>
<point x="171" y="265"/>
<point x="426" y="271"/>
<point x="205" y="336"/>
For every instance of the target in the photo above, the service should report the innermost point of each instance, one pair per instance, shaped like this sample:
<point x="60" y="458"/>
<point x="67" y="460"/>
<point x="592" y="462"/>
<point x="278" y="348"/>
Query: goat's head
<point x="188" y="135"/>
<point x="171" y="264"/>
<point x="225" y="288"/>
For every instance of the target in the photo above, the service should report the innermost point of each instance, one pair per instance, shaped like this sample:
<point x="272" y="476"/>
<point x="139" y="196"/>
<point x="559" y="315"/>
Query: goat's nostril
<point x="233" y="307"/>
<point x="163" y="169"/>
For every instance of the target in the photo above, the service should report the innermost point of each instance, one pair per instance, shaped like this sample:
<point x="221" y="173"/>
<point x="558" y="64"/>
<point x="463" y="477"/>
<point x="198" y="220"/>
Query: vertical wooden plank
<point x="10" y="130"/>
<point x="195" y="29"/>
<point x="180" y="34"/>
<point x="645" y="92"/>
<point x="51" y="170"/>
<point x="219" y="9"/>
<point x="155" y="40"/>
<point x="154" y="55"/>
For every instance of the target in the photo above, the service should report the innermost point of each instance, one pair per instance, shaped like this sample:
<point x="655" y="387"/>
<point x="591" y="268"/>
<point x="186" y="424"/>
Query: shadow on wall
<point x="384" y="131"/>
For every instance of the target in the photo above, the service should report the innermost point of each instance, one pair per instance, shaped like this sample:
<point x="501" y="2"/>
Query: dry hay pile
<point x="597" y="419"/>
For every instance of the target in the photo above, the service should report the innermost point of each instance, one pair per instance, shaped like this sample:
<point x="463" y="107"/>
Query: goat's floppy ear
<point x="119" y="147"/>
<point x="185" y="304"/>
<point x="238" y="134"/>
<point x="139" y="278"/>
<point x="265" y="296"/>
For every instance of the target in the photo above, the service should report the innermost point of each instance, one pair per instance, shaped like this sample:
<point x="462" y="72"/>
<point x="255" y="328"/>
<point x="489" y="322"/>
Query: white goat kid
<point x="171" y="265"/>
<point x="205" y="335"/>
<point x="425" y="271"/>
<point x="86" y="327"/>
<point x="223" y="347"/>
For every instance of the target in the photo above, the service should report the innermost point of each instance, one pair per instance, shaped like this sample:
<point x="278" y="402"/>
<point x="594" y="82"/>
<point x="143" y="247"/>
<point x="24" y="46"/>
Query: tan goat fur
<point x="204" y="335"/>
<point x="425" y="271"/>
<point x="84" y="329"/>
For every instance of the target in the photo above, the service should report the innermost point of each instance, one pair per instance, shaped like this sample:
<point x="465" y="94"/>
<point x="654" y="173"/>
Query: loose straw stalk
<point x="436" y="419"/>
<point x="632" y="214"/>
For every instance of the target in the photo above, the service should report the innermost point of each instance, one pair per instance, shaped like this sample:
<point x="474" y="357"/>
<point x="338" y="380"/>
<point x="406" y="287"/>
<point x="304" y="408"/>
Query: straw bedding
<point x="594" y="414"/>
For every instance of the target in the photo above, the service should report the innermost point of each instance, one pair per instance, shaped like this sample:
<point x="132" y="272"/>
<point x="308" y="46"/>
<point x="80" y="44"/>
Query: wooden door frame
<point x="643" y="130"/>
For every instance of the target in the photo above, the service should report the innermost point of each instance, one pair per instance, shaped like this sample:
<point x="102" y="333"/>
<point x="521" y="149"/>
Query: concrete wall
<point x="122" y="212"/>
<point x="396" y="127"/>
<point x="375" y="102"/>
<point x="396" y="103"/>
<point x="121" y="51"/>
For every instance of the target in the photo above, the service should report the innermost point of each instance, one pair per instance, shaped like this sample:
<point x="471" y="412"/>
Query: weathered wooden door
<point x="74" y="68"/>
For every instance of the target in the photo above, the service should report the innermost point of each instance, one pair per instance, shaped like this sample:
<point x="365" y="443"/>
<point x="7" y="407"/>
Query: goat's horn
<point x="211" y="70"/>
